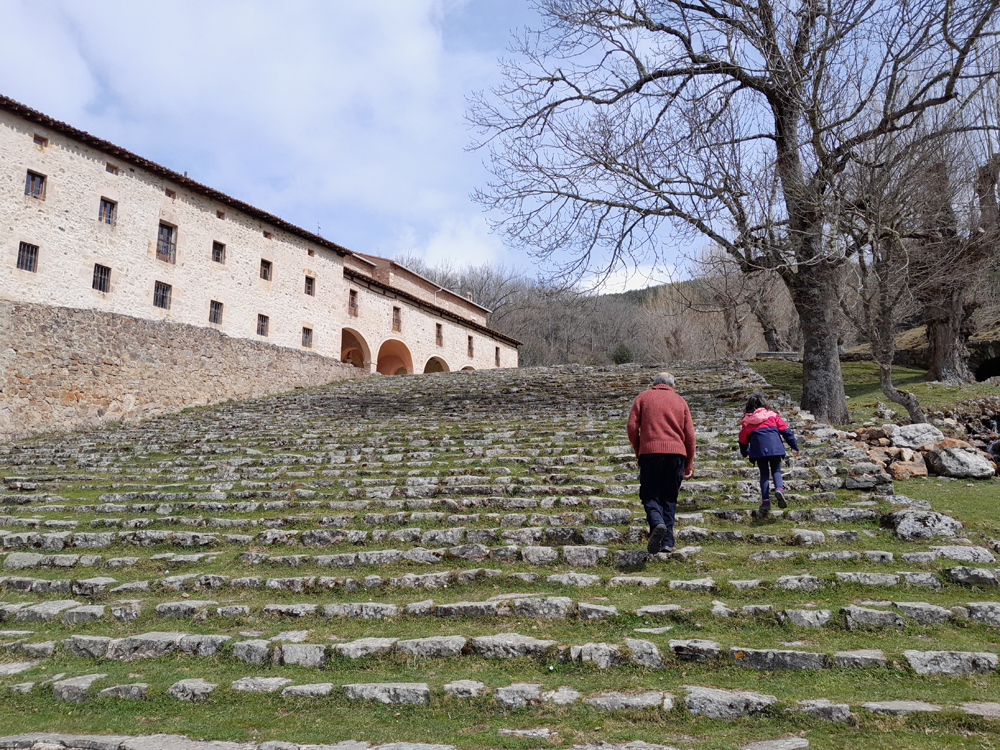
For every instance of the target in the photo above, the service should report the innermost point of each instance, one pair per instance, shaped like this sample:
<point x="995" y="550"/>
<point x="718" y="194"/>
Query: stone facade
<point x="169" y="250"/>
<point x="62" y="368"/>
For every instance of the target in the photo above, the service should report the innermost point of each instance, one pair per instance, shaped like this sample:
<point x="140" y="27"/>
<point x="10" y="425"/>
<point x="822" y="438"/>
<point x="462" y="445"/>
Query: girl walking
<point x="761" y="434"/>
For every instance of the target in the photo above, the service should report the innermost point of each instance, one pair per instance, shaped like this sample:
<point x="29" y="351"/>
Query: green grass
<point x="861" y="384"/>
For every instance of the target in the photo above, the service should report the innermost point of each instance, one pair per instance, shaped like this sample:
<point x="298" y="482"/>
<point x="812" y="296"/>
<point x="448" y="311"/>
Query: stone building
<point x="88" y="226"/>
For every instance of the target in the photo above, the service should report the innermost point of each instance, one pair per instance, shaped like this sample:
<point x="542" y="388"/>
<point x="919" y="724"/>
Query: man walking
<point x="662" y="436"/>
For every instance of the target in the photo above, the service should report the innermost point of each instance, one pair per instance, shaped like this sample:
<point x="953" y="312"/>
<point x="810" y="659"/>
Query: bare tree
<point x="723" y="118"/>
<point x="947" y="259"/>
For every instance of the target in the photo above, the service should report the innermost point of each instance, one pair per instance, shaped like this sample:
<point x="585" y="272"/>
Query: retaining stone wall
<point x="63" y="368"/>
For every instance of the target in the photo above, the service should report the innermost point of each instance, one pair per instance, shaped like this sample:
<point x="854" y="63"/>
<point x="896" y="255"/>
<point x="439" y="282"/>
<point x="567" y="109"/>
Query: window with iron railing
<point x="166" y="243"/>
<point x="352" y="303"/>
<point x="307" y="337"/>
<point x="27" y="257"/>
<point x="215" y="312"/>
<point x="439" y="334"/>
<point x="34" y="185"/>
<point x="397" y="319"/>
<point x="102" y="278"/>
<point x="108" y="211"/>
<point x="263" y="322"/>
<point x="161" y="295"/>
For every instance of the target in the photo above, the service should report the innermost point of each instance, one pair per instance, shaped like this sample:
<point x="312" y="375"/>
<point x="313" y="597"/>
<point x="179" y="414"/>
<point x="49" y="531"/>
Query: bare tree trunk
<point x="761" y="309"/>
<point x="904" y="398"/>
<point x="947" y="333"/>
<point x="822" y="382"/>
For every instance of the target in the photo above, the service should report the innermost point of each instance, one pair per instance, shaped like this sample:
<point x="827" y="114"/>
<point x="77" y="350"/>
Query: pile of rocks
<point x="916" y="450"/>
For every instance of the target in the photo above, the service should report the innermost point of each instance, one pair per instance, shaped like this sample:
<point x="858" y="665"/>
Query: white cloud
<point x="624" y="279"/>
<point x="462" y="241"/>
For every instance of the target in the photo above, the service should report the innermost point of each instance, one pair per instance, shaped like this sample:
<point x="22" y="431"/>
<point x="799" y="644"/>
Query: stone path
<point x="453" y="523"/>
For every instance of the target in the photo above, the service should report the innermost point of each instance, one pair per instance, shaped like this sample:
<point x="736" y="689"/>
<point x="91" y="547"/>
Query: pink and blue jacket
<point x="761" y="435"/>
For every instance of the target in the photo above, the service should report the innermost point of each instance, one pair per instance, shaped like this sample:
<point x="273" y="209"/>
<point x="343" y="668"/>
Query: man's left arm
<point x="689" y="442"/>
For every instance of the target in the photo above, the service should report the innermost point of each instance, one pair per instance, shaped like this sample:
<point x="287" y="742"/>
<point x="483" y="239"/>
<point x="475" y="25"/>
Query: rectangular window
<point x="265" y="270"/>
<point x="214" y="312"/>
<point x="110" y="169"/>
<point x="41" y="141"/>
<point x="472" y="350"/>
<point x="34" y="185"/>
<point x="218" y="252"/>
<point x="262" y="324"/>
<point x="268" y="235"/>
<point x="352" y="304"/>
<point x="166" y="244"/>
<point x="496" y="356"/>
<point x="310" y="286"/>
<point x="27" y="257"/>
<point x="439" y="334"/>
<point x="307" y="337"/>
<point x="220" y="214"/>
<point x="102" y="278"/>
<point x="170" y="193"/>
<point x="397" y="319"/>
<point x="161" y="295"/>
<point x="108" y="211"/>
<point x="310" y="251"/>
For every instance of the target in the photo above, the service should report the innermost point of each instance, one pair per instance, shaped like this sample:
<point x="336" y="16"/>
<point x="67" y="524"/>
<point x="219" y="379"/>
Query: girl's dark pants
<point x="769" y="465"/>
<point x="660" y="476"/>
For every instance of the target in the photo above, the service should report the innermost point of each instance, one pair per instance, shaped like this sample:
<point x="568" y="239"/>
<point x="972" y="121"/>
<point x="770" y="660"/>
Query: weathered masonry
<point x="88" y="227"/>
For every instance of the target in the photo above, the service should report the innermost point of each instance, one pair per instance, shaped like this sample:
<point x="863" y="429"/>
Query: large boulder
<point x="956" y="458"/>
<point x="915" y="435"/>
<point x="922" y="524"/>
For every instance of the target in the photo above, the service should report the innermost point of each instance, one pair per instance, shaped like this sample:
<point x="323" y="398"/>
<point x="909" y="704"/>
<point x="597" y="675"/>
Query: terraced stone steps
<point x="511" y="499"/>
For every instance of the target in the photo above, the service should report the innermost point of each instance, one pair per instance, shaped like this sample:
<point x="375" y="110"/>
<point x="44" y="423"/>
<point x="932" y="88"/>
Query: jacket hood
<point x="758" y="417"/>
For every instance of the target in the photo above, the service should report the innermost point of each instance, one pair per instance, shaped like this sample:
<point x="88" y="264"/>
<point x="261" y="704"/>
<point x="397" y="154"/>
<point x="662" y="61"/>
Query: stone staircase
<point x="474" y="541"/>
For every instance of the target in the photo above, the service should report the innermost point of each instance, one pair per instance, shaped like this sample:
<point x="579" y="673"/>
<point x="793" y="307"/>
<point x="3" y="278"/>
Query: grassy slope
<point x="863" y="391"/>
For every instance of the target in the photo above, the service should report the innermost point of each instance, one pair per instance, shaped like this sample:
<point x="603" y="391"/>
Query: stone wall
<point x="64" y="368"/>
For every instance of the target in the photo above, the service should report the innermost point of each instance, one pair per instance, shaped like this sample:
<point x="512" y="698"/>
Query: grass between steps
<point x="229" y="715"/>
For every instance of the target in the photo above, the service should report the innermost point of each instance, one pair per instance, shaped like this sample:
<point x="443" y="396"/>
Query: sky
<point x="344" y="117"/>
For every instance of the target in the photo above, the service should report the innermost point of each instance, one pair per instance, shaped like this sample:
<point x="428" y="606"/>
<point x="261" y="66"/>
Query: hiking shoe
<point x="779" y="496"/>
<point x="764" y="510"/>
<point x="656" y="537"/>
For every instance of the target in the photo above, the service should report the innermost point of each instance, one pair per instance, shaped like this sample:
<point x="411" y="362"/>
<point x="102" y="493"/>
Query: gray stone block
<point x="390" y="692"/>
<point x="74" y="690"/>
<point x="770" y="659"/>
<point x="518" y="695"/>
<point x="951" y="662"/>
<point x="725" y="704"/>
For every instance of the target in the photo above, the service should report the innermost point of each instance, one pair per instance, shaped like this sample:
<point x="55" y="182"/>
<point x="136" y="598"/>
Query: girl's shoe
<point x="764" y="510"/>
<point x="779" y="496"/>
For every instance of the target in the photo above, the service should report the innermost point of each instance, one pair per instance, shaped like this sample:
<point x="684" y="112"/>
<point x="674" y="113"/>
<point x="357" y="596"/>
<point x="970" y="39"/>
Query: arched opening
<point x="436" y="364"/>
<point x="468" y="367"/>
<point x="394" y="358"/>
<point x="354" y="350"/>
<point x="988" y="369"/>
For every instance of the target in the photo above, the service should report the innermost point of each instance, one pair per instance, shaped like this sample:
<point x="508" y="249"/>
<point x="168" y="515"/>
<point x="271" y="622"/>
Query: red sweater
<point x="660" y="422"/>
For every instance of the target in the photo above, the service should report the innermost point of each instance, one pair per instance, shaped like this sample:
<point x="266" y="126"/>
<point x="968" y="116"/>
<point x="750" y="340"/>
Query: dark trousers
<point x="660" y="476"/>
<point x="769" y="466"/>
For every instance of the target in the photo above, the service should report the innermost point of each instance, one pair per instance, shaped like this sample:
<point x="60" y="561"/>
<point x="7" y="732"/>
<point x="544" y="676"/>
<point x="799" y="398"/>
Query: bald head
<point x="663" y="378"/>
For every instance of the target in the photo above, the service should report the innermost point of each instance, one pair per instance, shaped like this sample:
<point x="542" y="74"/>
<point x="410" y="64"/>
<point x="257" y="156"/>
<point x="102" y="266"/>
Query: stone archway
<point x="436" y="364"/>
<point x="468" y="367"/>
<point x="394" y="359"/>
<point x="354" y="350"/>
